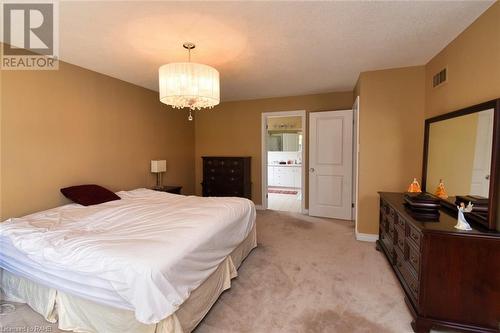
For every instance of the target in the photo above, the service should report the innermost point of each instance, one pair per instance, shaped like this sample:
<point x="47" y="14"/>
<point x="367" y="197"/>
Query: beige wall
<point x="395" y="102"/>
<point x="234" y="129"/>
<point x="473" y="63"/>
<point x="391" y="135"/>
<point x="452" y="144"/>
<point x="473" y="66"/>
<point x="75" y="126"/>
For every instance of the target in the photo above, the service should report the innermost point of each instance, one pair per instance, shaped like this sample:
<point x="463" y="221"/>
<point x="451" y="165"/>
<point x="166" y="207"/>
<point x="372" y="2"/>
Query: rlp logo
<point x="28" y="28"/>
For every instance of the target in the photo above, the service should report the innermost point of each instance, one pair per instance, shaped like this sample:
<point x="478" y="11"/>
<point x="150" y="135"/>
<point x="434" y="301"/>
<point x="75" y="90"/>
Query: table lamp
<point x="158" y="167"/>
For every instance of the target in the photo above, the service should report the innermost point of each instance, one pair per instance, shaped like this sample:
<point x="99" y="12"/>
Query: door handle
<point x="487" y="177"/>
<point x="312" y="169"/>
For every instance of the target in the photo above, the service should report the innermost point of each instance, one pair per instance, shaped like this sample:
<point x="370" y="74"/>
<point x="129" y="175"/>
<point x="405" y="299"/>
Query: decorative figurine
<point x="414" y="186"/>
<point x="462" y="223"/>
<point x="441" y="191"/>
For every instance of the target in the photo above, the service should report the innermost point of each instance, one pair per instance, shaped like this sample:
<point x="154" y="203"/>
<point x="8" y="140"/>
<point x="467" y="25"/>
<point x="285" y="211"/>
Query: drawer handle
<point x="413" y="259"/>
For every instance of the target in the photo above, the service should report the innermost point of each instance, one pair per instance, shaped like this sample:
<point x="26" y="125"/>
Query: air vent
<point x="439" y="78"/>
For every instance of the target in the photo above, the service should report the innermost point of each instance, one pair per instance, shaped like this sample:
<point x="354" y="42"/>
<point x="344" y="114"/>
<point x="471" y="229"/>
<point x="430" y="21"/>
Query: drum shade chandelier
<point x="189" y="85"/>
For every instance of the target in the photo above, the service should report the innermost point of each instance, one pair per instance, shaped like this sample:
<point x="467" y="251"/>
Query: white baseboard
<point x="259" y="207"/>
<point x="366" y="237"/>
<point x="305" y="212"/>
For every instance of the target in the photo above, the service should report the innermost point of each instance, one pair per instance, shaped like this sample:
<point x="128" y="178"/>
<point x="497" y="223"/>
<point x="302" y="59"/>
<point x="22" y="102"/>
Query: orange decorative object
<point x="414" y="186"/>
<point x="441" y="191"/>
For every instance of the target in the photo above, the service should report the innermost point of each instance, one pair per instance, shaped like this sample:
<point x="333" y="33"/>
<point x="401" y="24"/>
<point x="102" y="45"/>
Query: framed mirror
<point x="461" y="151"/>
<point x="279" y="141"/>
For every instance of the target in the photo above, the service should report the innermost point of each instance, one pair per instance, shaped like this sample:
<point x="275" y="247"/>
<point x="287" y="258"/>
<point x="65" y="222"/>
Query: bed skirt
<point x="81" y="315"/>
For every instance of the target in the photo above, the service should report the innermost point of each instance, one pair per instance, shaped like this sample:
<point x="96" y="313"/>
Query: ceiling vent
<point x="439" y="78"/>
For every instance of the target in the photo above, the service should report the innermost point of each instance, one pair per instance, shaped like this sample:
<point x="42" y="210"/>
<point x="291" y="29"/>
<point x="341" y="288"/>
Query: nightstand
<point x="169" y="189"/>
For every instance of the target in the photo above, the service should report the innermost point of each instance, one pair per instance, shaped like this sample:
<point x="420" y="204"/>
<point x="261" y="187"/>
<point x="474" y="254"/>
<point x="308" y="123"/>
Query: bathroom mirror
<point x="460" y="150"/>
<point x="284" y="141"/>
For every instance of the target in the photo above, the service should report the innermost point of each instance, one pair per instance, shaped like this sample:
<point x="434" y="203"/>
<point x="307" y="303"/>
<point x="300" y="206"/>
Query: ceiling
<point x="262" y="49"/>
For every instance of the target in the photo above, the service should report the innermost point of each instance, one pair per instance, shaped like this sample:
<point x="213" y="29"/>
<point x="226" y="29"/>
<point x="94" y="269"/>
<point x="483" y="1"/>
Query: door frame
<point x="355" y="162"/>
<point x="277" y="114"/>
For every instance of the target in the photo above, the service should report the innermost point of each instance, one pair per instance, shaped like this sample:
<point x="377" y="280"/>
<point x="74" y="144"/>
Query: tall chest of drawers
<point x="451" y="278"/>
<point x="225" y="176"/>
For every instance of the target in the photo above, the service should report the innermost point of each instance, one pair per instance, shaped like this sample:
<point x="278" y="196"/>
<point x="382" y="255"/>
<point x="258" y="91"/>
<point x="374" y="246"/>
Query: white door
<point x="480" y="184"/>
<point x="330" y="164"/>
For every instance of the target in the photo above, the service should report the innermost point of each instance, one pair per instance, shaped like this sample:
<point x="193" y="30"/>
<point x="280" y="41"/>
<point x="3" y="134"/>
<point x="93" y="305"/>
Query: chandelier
<point x="189" y="85"/>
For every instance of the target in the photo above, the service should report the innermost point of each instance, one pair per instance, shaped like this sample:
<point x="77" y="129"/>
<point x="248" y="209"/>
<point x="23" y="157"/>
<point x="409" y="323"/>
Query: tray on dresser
<point x="422" y="206"/>
<point x="422" y="201"/>
<point x="427" y="215"/>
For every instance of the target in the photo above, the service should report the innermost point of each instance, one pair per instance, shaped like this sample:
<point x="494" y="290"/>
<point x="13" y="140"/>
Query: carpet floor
<point x="310" y="275"/>
<point x="307" y="275"/>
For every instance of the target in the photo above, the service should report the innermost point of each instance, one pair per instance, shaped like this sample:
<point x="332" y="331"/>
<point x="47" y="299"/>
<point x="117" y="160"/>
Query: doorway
<point x="283" y="154"/>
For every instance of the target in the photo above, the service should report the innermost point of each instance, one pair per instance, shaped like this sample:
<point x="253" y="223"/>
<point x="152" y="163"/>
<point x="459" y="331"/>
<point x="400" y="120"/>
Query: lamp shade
<point x="189" y="84"/>
<point x="158" y="166"/>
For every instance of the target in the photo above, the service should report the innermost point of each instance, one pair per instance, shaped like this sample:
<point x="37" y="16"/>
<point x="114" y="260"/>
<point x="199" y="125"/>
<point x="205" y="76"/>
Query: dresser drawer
<point x="391" y="213"/>
<point x="232" y="171"/>
<point x="391" y="227"/>
<point x="399" y="238"/>
<point x="412" y="256"/>
<point x="213" y="178"/>
<point x="409" y="279"/>
<point x="234" y="179"/>
<point x="389" y="246"/>
<point x="413" y="235"/>
<point x="400" y="223"/>
<point x="212" y="170"/>
<point x="234" y="163"/>
<point x="387" y="227"/>
<point x="208" y="190"/>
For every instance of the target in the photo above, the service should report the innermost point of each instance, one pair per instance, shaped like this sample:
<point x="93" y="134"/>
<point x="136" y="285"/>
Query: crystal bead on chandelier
<point x="189" y="85"/>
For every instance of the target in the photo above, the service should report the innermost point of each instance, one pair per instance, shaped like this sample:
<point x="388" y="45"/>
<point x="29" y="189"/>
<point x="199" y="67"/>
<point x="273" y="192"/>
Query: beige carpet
<point x="307" y="275"/>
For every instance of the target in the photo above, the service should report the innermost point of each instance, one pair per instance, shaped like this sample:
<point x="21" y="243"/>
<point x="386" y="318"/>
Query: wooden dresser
<point x="226" y="177"/>
<point x="451" y="278"/>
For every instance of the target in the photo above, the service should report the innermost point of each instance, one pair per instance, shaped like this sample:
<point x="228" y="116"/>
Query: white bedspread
<point x="145" y="253"/>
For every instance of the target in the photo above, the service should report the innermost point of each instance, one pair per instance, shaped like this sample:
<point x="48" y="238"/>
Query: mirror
<point x="459" y="151"/>
<point x="284" y="133"/>
<point x="284" y="141"/>
<point x="460" y="154"/>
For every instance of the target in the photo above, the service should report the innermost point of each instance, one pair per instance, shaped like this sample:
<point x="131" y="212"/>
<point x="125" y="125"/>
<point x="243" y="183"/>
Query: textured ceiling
<point x="262" y="49"/>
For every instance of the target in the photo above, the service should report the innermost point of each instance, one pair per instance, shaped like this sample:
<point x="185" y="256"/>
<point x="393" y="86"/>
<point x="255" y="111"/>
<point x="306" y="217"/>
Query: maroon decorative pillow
<point x="88" y="195"/>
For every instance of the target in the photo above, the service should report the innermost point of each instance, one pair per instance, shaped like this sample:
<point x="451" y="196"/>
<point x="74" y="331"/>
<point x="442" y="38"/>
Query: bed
<point x="150" y="262"/>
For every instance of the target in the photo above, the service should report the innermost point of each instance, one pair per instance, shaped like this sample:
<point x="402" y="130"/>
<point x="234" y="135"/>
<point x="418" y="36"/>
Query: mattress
<point x="144" y="253"/>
